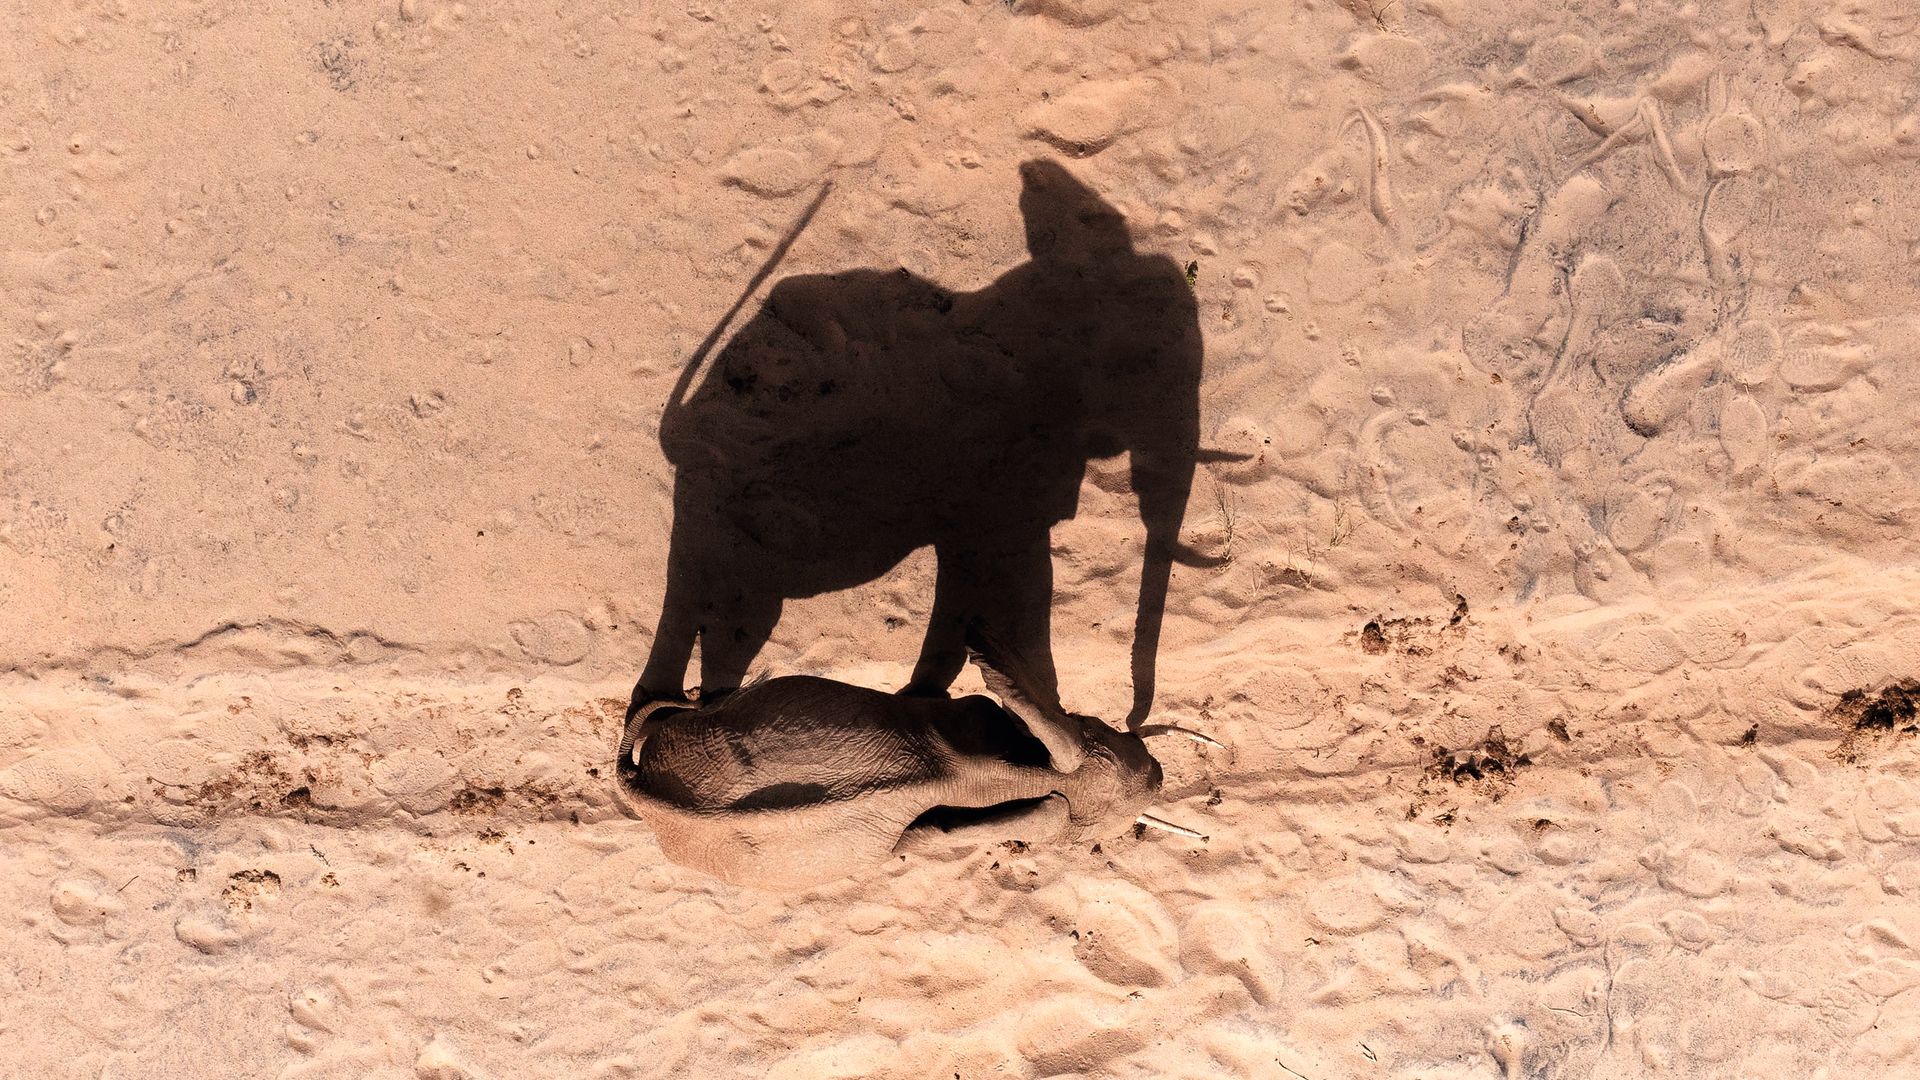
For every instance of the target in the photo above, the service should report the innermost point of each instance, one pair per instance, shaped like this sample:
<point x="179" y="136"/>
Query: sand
<point x="1562" y="646"/>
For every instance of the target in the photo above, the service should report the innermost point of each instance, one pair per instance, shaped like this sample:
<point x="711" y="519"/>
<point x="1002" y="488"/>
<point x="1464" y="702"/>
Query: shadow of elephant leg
<point x="688" y="579"/>
<point x="665" y="675"/>
<point x="733" y="634"/>
<point x="1008" y="587"/>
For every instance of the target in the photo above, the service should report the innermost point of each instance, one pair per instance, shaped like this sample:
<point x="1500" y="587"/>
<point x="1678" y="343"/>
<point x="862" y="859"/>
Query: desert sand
<point x="1562" y="638"/>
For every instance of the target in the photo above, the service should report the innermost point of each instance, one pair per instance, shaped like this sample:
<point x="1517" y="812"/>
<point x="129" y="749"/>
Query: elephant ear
<point x="1027" y="698"/>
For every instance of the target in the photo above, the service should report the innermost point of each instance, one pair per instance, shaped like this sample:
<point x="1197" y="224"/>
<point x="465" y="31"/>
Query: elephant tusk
<point x="1150" y="730"/>
<point x="1177" y="830"/>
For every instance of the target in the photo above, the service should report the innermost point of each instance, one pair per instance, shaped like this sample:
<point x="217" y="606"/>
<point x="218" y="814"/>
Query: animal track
<point x="247" y="887"/>
<point x="1405" y="634"/>
<point x="1488" y="771"/>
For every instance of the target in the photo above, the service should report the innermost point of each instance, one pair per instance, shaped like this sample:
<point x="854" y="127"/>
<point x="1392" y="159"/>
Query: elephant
<point x="792" y="782"/>
<point x="860" y="416"/>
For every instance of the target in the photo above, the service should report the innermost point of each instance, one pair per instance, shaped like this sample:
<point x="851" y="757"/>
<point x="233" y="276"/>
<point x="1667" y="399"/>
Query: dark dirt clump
<point x="477" y="800"/>
<point x="1489" y="769"/>
<point x="1869" y="720"/>
<point x="1414" y="636"/>
<point x="248" y="886"/>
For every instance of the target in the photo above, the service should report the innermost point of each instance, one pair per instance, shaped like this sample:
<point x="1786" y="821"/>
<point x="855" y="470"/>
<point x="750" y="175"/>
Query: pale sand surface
<point x="1575" y="344"/>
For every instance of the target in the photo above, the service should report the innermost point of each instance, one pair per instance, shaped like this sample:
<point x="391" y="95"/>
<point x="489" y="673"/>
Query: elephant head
<point x="796" y="781"/>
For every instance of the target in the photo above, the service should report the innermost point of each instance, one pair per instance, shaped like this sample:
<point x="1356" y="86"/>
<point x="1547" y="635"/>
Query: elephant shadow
<point x="862" y="415"/>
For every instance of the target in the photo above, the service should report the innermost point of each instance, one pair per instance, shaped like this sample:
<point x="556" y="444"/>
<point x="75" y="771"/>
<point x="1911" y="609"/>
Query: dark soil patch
<point x="258" y="783"/>
<point x="1488" y="770"/>
<point x="477" y="800"/>
<point x="247" y="886"/>
<point x="1405" y="635"/>
<point x="1869" y="720"/>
